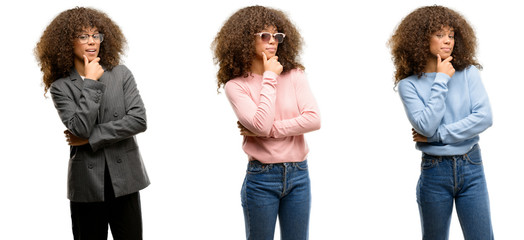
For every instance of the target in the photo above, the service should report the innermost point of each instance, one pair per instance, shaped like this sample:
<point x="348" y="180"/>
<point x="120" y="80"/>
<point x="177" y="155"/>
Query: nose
<point x="91" y="39"/>
<point x="272" y="40"/>
<point x="447" y="40"/>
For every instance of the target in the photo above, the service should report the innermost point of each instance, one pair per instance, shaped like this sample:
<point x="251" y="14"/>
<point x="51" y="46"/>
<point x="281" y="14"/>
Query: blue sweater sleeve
<point x="476" y="122"/>
<point x="425" y="116"/>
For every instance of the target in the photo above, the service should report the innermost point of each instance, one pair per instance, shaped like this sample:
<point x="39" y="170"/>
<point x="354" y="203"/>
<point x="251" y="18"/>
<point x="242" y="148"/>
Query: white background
<point x="363" y="165"/>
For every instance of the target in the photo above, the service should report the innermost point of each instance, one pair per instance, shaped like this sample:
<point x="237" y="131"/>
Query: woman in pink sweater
<point x="257" y="51"/>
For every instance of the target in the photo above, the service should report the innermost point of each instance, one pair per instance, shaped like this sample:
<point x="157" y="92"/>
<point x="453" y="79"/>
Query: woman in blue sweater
<point x="438" y="80"/>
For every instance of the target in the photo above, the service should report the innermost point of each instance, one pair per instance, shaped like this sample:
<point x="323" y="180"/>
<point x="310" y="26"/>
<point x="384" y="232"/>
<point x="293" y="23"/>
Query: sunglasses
<point x="265" y="36"/>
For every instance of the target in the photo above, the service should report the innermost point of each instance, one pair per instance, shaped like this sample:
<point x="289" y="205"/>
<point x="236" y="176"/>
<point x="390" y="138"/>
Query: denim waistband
<point x="474" y="148"/>
<point x="256" y="162"/>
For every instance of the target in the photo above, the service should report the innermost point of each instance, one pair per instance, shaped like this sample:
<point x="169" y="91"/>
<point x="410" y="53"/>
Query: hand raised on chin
<point x="272" y="64"/>
<point x="93" y="70"/>
<point x="445" y="66"/>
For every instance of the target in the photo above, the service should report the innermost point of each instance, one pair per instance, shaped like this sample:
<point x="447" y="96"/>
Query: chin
<point x="92" y="58"/>
<point x="445" y="55"/>
<point x="270" y="55"/>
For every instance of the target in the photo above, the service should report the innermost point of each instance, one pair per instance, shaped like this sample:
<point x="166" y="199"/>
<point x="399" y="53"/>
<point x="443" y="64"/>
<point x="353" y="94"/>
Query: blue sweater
<point x="451" y="112"/>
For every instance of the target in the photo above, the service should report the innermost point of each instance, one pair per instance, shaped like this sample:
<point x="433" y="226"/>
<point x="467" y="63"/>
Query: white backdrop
<point x="363" y="165"/>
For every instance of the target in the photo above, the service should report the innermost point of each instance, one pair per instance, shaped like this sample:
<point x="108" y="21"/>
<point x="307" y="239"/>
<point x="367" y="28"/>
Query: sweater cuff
<point x="270" y="76"/>
<point x="434" y="138"/>
<point x="442" y="77"/>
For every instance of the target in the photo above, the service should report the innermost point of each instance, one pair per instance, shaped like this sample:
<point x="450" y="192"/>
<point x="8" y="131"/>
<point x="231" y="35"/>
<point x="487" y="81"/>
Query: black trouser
<point x="123" y="214"/>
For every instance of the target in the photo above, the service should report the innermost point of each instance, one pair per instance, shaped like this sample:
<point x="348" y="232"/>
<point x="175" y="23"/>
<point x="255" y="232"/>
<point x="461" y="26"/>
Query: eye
<point x="96" y="36"/>
<point x="265" y="37"/>
<point x="452" y="36"/>
<point x="83" y="37"/>
<point x="279" y="37"/>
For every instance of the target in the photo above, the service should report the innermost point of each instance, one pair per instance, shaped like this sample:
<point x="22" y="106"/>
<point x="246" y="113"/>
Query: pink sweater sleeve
<point x="257" y="118"/>
<point x="309" y="118"/>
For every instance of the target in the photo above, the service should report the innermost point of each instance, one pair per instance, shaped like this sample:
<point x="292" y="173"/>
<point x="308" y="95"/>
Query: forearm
<point x="79" y="118"/>
<point x="112" y="132"/>
<point x="256" y="117"/>
<point x="131" y="123"/>
<point x="464" y="129"/>
<point x="477" y="121"/>
<point x="307" y="122"/>
<point x="426" y="117"/>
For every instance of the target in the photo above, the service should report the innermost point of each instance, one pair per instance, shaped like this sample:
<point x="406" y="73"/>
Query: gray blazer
<point x="109" y="112"/>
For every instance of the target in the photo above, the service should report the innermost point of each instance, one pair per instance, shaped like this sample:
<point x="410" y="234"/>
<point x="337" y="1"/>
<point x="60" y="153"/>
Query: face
<point x="90" y="48"/>
<point x="442" y="42"/>
<point x="268" y="47"/>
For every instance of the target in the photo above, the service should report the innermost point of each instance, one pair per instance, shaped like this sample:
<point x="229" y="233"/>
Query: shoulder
<point x="122" y="68"/>
<point x="236" y="84"/>
<point x="297" y="72"/>
<point x="119" y="73"/>
<point x="470" y="73"/>
<point x="119" y="69"/>
<point x="62" y="82"/>
<point x="407" y="82"/>
<point x="294" y="75"/>
<point x="472" y="70"/>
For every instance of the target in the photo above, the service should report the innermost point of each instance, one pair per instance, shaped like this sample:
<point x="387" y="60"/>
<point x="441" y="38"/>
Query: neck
<point x="80" y="68"/>
<point x="431" y="65"/>
<point x="257" y="66"/>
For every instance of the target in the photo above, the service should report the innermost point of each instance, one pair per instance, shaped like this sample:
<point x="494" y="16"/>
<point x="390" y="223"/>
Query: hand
<point x="445" y="66"/>
<point x="244" y="131"/>
<point x="417" y="137"/>
<point x="73" y="140"/>
<point x="272" y="64"/>
<point x="93" y="70"/>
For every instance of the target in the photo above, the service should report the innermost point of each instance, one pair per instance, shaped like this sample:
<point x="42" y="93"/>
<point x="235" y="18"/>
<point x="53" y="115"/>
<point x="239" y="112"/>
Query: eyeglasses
<point x="97" y="37"/>
<point x="265" y="36"/>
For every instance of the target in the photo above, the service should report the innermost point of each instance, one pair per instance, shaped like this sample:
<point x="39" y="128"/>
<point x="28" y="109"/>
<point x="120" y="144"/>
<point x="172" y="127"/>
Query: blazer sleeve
<point x="309" y="118"/>
<point x="79" y="119"/>
<point x="132" y="123"/>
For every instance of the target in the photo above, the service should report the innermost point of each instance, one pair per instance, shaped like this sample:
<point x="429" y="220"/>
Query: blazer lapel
<point x="76" y="79"/>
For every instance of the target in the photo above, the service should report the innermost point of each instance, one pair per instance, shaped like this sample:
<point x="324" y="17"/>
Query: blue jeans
<point x="272" y="190"/>
<point x="459" y="178"/>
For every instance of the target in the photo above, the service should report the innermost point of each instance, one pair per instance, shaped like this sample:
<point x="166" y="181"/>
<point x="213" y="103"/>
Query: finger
<point x="86" y="61"/>
<point x="439" y="59"/>
<point x="96" y="60"/>
<point x="448" y="59"/>
<point x="264" y="57"/>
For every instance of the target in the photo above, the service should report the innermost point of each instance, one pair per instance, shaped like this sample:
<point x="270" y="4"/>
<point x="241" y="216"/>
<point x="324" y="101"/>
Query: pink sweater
<point x="279" y="109"/>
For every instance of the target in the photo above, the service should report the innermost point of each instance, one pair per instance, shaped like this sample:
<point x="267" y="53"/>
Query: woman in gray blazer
<point x="99" y="104"/>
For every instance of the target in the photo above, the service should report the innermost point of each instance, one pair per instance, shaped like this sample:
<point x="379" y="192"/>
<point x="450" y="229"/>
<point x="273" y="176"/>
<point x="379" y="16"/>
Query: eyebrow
<point x="442" y="31"/>
<point x="84" y="33"/>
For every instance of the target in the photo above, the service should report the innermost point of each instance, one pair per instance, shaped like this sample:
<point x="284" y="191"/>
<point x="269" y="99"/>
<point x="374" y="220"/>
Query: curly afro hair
<point x="55" y="50"/>
<point x="410" y="42"/>
<point x="234" y="44"/>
